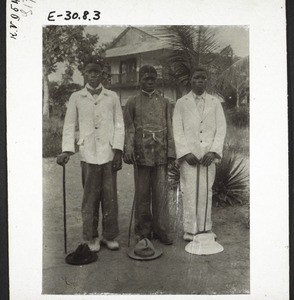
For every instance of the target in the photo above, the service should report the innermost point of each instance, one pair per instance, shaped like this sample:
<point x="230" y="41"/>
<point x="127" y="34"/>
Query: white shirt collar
<point x="199" y="97"/>
<point x="100" y="86"/>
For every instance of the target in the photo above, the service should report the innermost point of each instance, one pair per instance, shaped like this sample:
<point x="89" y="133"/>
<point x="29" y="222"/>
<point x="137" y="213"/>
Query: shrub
<point x="231" y="180"/>
<point x="52" y="136"/>
<point x="238" y="116"/>
<point x="59" y="95"/>
<point x="237" y="140"/>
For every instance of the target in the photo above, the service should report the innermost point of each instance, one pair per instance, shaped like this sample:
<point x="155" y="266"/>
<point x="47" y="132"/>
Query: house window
<point x="128" y="70"/>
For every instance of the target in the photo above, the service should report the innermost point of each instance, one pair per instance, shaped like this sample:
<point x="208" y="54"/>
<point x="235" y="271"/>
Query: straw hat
<point x="204" y="244"/>
<point x="144" y="250"/>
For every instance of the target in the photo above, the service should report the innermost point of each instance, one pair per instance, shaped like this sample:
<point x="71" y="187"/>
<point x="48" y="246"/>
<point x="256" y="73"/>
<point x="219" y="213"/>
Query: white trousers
<point x="196" y="186"/>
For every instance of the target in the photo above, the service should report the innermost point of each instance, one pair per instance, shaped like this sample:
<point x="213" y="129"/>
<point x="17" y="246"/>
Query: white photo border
<point x="269" y="264"/>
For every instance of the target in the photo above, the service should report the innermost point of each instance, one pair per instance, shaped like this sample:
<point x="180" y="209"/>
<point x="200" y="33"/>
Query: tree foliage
<point x="236" y="77"/>
<point x="59" y="95"/>
<point x="68" y="45"/>
<point x="196" y="46"/>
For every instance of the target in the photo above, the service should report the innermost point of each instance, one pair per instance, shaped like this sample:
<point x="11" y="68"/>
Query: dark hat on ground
<point x="147" y="71"/>
<point x="81" y="256"/>
<point x="144" y="250"/>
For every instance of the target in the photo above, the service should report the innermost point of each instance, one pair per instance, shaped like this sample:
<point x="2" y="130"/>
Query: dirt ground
<point x="175" y="272"/>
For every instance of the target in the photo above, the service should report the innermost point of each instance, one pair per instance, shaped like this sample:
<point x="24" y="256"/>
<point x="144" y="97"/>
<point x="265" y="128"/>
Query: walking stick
<point x="130" y="226"/>
<point x="64" y="210"/>
<point x="197" y="191"/>
<point x="206" y="205"/>
<point x="132" y="212"/>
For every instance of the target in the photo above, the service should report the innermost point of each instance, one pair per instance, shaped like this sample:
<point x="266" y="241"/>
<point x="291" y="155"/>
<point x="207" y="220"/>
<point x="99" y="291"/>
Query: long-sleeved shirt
<point x="148" y="123"/>
<point x="100" y="123"/>
<point x="196" y="132"/>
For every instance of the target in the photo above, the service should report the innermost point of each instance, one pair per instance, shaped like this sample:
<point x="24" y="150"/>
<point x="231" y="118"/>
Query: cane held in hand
<point x="64" y="210"/>
<point x="62" y="159"/>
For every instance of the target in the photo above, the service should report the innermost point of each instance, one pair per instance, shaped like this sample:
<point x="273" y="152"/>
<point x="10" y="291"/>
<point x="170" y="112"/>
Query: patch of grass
<point x="52" y="136"/>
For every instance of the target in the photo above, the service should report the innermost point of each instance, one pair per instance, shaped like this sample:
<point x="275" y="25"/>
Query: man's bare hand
<point x="191" y="159"/>
<point x="129" y="158"/>
<point x="117" y="160"/>
<point x="63" y="158"/>
<point x="170" y="162"/>
<point x="207" y="159"/>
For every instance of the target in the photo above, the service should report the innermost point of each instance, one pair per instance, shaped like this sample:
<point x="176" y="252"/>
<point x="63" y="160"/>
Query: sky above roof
<point x="236" y="36"/>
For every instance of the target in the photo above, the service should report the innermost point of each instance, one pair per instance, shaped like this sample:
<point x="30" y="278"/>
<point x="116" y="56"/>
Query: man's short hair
<point x="93" y="60"/>
<point x="147" y="71"/>
<point x="198" y="69"/>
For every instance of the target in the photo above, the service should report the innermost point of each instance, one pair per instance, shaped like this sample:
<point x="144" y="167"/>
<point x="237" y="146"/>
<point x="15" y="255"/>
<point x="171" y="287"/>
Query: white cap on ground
<point x="204" y="244"/>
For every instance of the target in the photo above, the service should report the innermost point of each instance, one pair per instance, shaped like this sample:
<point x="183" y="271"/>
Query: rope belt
<point x="153" y="133"/>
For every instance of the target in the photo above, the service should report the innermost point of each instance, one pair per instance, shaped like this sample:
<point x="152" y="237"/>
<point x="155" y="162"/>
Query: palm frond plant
<point x="196" y="46"/>
<point x="174" y="176"/>
<point x="231" y="181"/>
<point x="237" y="77"/>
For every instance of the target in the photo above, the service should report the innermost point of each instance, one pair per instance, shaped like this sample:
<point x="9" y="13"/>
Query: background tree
<point x="64" y="44"/>
<point x="196" y="46"/>
<point x="237" y="77"/>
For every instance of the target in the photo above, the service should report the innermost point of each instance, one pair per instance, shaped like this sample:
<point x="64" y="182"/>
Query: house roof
<point x="161" y="32"/>
<point x="158" y="41"/>
<point x="140" y="48"/>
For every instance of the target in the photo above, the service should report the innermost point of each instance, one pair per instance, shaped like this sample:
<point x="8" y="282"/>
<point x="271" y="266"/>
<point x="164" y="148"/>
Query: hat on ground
<point x="147" y="71"/>
<point x="144" y="250"/>
<point x="81" y="256"/>
<point x="204" y="244"/>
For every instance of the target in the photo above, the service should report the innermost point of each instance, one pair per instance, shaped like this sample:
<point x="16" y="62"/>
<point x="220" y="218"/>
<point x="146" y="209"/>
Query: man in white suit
<point x="199" y="131"/>
<point x="99" y="115"/>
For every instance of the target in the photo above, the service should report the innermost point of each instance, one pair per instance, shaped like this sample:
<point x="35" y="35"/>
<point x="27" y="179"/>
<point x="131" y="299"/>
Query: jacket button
<point x="96" y="127"/>
<point x="95" y="103"/>
<point x="200" y="141"/>
<point x="200" y="131"/>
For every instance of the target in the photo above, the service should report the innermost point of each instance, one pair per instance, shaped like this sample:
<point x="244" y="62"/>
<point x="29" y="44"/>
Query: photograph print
<point x="146" y="160"/>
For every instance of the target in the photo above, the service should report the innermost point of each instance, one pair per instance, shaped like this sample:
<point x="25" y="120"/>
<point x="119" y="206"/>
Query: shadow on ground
<point x="175" y="272"/>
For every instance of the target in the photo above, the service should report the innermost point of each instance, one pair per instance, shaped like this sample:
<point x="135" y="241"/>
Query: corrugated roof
<point x="160" y="32"/>
<point x="139" y="48"/>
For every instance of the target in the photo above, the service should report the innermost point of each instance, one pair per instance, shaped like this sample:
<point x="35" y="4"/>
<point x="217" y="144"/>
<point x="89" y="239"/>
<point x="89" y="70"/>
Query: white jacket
<point x="196" y="133"/>
<point x="100" y="124"/>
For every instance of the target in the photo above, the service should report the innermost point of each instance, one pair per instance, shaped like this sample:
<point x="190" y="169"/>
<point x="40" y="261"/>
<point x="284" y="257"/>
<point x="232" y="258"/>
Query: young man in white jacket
<point x="199" y="127"/>
<point x="99" y="115"/>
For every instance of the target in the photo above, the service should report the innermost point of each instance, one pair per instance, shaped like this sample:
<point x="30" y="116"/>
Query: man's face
<point x="198" y="82"/>
<point x="148" y="83"/>
<point x="93" y="75"/>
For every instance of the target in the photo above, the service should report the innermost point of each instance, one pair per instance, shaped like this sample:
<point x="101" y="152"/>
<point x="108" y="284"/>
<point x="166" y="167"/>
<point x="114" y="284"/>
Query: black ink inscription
<point x="19" y="9"/>
<point x="15" y="18"/>
<point x="68" y="15"/>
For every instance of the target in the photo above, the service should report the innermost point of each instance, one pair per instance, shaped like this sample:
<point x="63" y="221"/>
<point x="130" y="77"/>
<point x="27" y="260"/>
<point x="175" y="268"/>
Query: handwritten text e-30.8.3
<point x="86" y="15"/>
